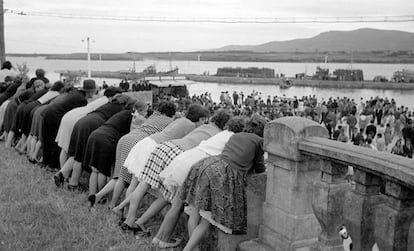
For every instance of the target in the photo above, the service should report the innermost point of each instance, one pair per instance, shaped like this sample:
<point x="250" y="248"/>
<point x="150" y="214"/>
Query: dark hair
<point x="40" y="72"/>
<point x="220" y="118"/>
<point x="8" y="79"/>
<point x="57" y="86"/>
<point x="6" y="65"/>
<point x="167" y="108"/>
<point x="196" y="112"/>
<point x="235" y="124"/>
<point x="112" y="91"/>
<point x="255" y="125"/>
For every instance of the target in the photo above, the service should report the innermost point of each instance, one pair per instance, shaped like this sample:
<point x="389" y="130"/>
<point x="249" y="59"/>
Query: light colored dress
<point x="70" y="118"/>
<point x="139" y="154"/>
<point x="177" y="171"/>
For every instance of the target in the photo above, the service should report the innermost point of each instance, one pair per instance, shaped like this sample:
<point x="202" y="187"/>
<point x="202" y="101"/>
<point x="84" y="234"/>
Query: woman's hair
<point x="6" y="65"/>
<point x="112" y="91"/>
<point x="255" y="125"/>
<point x="220" y="118"/>
<point x="140" y="106"/>
<point x="57" y="86"/>
<point x="40" y="73"/>
<point x="167" y="108"/>
<point x="196" y="112"/>
<point x="235" y="124"/>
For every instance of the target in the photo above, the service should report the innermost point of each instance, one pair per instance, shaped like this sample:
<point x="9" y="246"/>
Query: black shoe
<point x="135" y="230"/>
<point x="59" y="179"/>
<point x="92" y="200"/>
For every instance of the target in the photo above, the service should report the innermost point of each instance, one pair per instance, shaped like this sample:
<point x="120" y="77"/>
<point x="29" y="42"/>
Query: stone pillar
<point x="288" y="219"/>
<point x="359" y="209"/>
<point x="394" y="217"/>
<point x="328" y="200"/>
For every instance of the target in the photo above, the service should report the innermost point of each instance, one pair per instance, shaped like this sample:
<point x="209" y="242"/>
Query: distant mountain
<point x="356" y="40"/>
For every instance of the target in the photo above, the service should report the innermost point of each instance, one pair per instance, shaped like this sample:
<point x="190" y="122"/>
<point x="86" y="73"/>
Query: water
<point x="199" y="67"/>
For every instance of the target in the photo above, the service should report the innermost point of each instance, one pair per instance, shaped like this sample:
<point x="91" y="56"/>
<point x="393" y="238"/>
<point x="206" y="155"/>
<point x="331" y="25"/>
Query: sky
<point x="48" y="34"/>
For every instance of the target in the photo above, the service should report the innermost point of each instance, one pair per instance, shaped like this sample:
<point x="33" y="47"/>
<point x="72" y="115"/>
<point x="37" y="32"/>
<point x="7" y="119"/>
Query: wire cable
<point x="276" y="20"/>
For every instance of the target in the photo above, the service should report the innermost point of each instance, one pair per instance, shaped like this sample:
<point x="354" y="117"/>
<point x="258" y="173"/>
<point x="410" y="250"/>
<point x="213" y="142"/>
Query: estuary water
<point x="405" y="98"/>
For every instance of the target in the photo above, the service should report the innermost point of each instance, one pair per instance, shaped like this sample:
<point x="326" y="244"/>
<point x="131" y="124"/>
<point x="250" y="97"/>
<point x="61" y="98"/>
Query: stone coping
<point x="399" y="169"/>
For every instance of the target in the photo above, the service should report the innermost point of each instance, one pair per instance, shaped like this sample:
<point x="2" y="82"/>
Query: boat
<point x="150" y="71"/>
<point x="285" y="83"/>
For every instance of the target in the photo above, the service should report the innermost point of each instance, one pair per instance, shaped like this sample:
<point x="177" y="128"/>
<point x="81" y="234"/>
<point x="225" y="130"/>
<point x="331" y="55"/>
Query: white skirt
<point x="177" y="171"/>
<point x="139" y="154"/>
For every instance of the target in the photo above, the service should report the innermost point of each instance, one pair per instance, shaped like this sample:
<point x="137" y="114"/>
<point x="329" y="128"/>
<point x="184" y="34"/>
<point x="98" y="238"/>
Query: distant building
<point x="348" y="75"/>
<point x="251" y="72"/>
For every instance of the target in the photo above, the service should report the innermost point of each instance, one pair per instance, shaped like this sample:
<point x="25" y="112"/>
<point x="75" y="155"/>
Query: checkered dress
<point x="159" y="159"/>
<point x="155" y="123"/>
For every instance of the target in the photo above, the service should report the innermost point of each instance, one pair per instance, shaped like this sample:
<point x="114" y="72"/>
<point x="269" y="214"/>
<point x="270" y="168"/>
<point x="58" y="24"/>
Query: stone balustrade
<point x="308" y="197"/>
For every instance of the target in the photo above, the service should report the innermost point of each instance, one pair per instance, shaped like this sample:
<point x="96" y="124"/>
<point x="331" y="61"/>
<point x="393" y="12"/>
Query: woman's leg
<point x="101" y="181"/>
<point x="76" y="173"/>
<point x="170" y="220"/>
<point x="10" y="138"/>
<point x="132" y="186"/>
<point x="33" y="142"/>
<point x="63" y="157"/>
<point x="93" y="181"/>
<point x="198" y="234"/>
<point x="118" y="189"/>
<point x="155" y="208"/>
<point x="193" y="221"/>
<point x="37" y="150"/>
<point x="67" y="167"/>
<point x="135" y="199"/>
<point x="23" y="143"/>
<point x="109" y="187"/>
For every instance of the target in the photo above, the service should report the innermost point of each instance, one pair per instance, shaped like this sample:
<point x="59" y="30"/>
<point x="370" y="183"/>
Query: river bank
<point x="303" y="82"/>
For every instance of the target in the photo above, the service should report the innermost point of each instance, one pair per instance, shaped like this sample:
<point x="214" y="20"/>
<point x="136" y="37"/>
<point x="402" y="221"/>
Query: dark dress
<point x="21" y="112"/>
<point x="101" y="147"/>
<point x="216" y="184"/>
<point x="10" y="113"/>
<point x="86" y="125"/>
<point x="10" y="91"/>
<point x="52" y="116"/>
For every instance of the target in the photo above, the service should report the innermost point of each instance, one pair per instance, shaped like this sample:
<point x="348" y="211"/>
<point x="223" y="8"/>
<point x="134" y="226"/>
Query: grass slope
<point x="36" y="215"/>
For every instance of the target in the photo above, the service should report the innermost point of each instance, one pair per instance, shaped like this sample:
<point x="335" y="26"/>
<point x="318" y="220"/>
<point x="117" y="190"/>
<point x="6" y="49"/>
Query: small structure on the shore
<point x="404" y="76"/>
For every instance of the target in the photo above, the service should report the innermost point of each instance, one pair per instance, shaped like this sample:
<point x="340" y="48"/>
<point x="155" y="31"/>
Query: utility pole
<point x="2" y="47"/>
<point x="88" y="42"/>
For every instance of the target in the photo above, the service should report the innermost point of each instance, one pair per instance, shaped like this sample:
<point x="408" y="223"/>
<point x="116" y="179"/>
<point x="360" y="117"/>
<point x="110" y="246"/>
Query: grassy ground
<point x="36" y="215"/>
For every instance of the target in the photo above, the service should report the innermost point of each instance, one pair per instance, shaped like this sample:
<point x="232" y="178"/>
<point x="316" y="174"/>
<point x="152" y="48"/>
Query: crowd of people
<point x="184" y="150"/>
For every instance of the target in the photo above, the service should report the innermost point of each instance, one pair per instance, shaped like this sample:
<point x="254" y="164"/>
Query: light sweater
<point x="194" y="138"/>
<point x="176" y="130"/>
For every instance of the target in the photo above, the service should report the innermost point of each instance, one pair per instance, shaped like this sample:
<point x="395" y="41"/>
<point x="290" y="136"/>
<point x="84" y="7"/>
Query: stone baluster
<point x="394" y="217"/>
<point x="288" y="220"/>
<point x="360" y="207"/>
<point x="328" y="199"/>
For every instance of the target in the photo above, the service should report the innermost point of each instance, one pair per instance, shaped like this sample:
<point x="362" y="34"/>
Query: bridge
<point x="304" y="198"/>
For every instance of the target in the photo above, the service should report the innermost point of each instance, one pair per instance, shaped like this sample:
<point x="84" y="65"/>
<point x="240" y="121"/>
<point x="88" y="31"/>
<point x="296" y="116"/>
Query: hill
<point x="362" y="40"/>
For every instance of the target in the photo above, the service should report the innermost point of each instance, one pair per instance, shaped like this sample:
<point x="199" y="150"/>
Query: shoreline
<point x="302" y="83"/>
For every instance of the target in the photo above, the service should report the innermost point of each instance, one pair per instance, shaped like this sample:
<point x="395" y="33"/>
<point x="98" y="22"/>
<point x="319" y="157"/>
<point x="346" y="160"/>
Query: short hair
<point x="6" y="65"/>
<point x="140" y="106"/>
<point x="220" y="118"/>
<point x="167" y="108"/>
<point x="40" y="72"/>
<point x="235" y="124"/>
<point x="112" y="91"/>
<point x="255" y="125"/>
<point x="57" y="86"/>
<point x="196" y="111"/>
